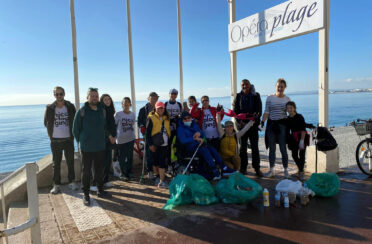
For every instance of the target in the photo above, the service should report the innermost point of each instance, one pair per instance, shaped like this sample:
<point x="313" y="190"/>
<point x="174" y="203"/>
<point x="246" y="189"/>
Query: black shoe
<point x="259" y="173"/>
<point x="104" y="194"/>
<point x="86" y="200"/>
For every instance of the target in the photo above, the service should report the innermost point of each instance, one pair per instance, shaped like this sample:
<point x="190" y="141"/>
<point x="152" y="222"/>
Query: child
<point x="125" y="138"/>
<point x="229" y="144"/>
<point x="298" y="139"/>
<point x="157" y="136"/>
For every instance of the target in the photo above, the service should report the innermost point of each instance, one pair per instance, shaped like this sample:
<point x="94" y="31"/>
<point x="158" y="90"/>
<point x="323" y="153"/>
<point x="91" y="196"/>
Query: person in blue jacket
<point x="190" y="136"/>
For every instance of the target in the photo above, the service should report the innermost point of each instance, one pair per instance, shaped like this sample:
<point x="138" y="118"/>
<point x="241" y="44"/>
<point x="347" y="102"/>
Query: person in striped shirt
<point x="276" y="130"/>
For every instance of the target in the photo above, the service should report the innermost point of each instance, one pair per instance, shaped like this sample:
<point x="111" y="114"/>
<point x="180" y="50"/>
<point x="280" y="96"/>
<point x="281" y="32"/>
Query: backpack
<point x="326" y="141"/>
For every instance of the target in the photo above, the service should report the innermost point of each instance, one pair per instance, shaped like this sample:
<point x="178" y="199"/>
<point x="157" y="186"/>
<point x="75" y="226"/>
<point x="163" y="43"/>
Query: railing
<point x="33" y="205"/>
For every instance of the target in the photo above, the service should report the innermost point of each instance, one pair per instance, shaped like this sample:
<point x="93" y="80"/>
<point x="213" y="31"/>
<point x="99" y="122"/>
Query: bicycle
<point x="363" y="153"/>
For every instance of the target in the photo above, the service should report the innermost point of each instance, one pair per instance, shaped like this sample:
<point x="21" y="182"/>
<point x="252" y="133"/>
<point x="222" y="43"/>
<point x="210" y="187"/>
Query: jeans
<point x="252" y="135"/>
<point x="126" y="157"/>
<point x="214" y="142"/>
<point x="211" y="156"/>
<point x="299" y="158"/>
<point x="58" y="146"/>
<point x="98" y="160"/>
<point x="279" y="136"/>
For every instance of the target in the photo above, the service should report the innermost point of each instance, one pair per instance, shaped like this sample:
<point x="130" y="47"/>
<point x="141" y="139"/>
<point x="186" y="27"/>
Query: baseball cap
<point x="159" y="105"/>
<point x="173" y="91"/>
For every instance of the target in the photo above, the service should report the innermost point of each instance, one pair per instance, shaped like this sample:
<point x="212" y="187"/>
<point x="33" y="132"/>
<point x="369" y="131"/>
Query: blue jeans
<point x="211" y="156"/>
<point x="277" y="136"/>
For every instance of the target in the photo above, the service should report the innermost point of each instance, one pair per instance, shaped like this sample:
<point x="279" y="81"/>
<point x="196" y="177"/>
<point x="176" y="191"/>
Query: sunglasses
<point x="58" y="94"/>
<point x="206" y="100"/>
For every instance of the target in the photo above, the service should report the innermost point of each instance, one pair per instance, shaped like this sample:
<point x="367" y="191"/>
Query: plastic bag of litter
<point x="116" y="168"/>
<point x="187" y="189"/>
<point x="289" y="186"/>
<point x="237" y="189"/>
<point x="324" y="184"/>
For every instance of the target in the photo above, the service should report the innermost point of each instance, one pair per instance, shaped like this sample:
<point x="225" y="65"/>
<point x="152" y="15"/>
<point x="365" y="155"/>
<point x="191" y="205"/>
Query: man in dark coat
<point x="249" y="101"/>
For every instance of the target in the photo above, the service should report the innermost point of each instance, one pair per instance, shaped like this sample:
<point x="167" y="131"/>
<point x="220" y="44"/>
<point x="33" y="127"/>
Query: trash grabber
<point x="188" y="165"/>
<point x="142" y="178"/>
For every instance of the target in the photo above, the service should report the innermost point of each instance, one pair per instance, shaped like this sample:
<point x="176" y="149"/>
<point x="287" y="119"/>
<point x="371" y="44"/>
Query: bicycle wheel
<point x="364" y="156"/>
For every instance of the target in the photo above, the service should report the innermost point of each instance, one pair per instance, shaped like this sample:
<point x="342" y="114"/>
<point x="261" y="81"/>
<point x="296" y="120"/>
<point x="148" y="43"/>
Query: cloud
<point x="360" y="79"/>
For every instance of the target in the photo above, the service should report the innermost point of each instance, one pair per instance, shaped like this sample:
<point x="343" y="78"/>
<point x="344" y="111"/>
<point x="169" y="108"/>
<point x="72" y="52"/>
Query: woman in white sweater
<point x="276" y="131"/>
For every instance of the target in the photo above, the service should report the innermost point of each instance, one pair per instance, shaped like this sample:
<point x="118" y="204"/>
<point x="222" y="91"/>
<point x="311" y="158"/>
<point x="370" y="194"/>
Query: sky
<point x="36" y="49"/>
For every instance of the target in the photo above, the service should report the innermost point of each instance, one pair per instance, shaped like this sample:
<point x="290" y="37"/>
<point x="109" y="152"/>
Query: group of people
<point x="98" y="129"/>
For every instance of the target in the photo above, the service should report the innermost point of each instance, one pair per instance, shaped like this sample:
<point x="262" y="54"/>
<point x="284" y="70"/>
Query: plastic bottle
<point x="266" y="201"/>
<point x="286" y="200"/>
<point x="277" y="199"/>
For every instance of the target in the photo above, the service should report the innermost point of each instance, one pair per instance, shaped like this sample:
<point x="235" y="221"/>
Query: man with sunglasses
<point x="58" y="120"/>
<point x="90" y="131"/>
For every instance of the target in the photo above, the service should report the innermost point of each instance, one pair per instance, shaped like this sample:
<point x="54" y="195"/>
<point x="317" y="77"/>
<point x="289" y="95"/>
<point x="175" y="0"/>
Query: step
<point x="18" y="214"/>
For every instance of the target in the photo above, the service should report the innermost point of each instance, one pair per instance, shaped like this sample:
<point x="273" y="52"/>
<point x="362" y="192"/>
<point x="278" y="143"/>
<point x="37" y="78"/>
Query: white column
<point x="74" y="53"/>
<point x="33" y="201"/>
<point x="233" y="88"/>
<point x="323" y="67"/>
<point x="180" y="49"/>
<point x="132" y="85"/>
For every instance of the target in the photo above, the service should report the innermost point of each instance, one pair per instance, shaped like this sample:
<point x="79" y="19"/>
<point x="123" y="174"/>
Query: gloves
<point x="301" y="145"/>
<point x="143" y="130"/>
<point x="219" y="108"/>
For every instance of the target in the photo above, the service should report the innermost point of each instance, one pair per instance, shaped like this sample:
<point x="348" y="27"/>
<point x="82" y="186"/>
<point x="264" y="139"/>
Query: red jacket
<point x="198" y="114"/>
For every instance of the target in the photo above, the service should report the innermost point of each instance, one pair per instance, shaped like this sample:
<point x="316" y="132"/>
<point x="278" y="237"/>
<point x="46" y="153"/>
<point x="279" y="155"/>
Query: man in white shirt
<point x="58" y="120"/>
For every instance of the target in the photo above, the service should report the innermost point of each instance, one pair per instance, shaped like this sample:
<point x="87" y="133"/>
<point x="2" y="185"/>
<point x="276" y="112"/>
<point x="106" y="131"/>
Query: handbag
<point x="157" y="139"/>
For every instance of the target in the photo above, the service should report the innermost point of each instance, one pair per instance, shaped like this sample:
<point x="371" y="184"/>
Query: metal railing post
<point x="4" y="213"/>
<point x="33" y="201"/>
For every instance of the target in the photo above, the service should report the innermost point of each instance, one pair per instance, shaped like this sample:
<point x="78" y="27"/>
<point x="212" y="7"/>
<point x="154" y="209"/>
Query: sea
<point x="23" y="137"/>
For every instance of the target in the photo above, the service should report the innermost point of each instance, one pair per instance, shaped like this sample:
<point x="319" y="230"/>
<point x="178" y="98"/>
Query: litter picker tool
<point x="188" y="165"/>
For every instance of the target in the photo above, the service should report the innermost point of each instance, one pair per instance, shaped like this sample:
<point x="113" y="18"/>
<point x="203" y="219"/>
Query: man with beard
<point x="89" y="130"/>
<point x="249" y="101"/>
<point x="58" y="120"/>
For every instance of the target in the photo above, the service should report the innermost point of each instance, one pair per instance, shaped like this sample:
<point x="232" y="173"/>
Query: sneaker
<point x="108" y="185"/>
<point x="301" y="176"/>
<point x="93" y="188"/>
<point x="86" y="200"/>
<point x="226" y="171"/>
<point x="163" y="184"/>
<point x="151" y="175"/>
<point x="157" y="181"/>
<point x="271" y="173"/>
<point x="56" y="189"/>
<point x="104" y="194"/>
<point x="259" y="173"/>
<point x="286" y="175"/>
<point x="124" y="178"/>
<point x="73" y="186"/>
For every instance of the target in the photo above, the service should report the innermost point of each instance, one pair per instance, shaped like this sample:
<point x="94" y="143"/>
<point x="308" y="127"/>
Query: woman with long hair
<point x="276" y="130"/>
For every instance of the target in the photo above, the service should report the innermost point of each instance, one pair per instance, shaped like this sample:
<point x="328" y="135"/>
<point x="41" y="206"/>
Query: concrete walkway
<point x="136" y="216"/>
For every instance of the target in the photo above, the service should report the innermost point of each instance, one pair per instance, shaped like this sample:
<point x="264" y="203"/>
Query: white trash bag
<point x="289" y="186"/>
<point x="116" y="168"/>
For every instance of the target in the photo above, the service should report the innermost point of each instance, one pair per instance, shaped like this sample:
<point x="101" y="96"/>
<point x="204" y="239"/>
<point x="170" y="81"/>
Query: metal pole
<point x="323" y="67"/>
<point x="33" y="201"/>
<point x="132" y="86"/>
<point x="74" y="53"/>
<point x="233" y="87"/>
<point x="180" y="49"/>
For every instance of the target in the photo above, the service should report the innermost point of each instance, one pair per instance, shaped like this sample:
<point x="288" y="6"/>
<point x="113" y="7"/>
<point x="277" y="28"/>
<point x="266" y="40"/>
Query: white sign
<point x="289" y="19"/>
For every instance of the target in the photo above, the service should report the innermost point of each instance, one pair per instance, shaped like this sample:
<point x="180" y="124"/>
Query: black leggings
<point x="299" y="158"/>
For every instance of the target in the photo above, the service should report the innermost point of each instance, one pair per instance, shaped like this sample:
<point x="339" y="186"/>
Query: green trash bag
<point x="324" y="184"/>
<point x="237" y="189"/>
<point x="187" y="189"/>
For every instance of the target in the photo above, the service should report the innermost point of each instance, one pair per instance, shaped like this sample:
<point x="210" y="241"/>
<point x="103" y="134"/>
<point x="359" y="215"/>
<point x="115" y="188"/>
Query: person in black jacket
<point x="58" y="120"/>
<point x="110" y="137"/>
<point x="142" y="120"/>
<point x="249" y="101"/>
